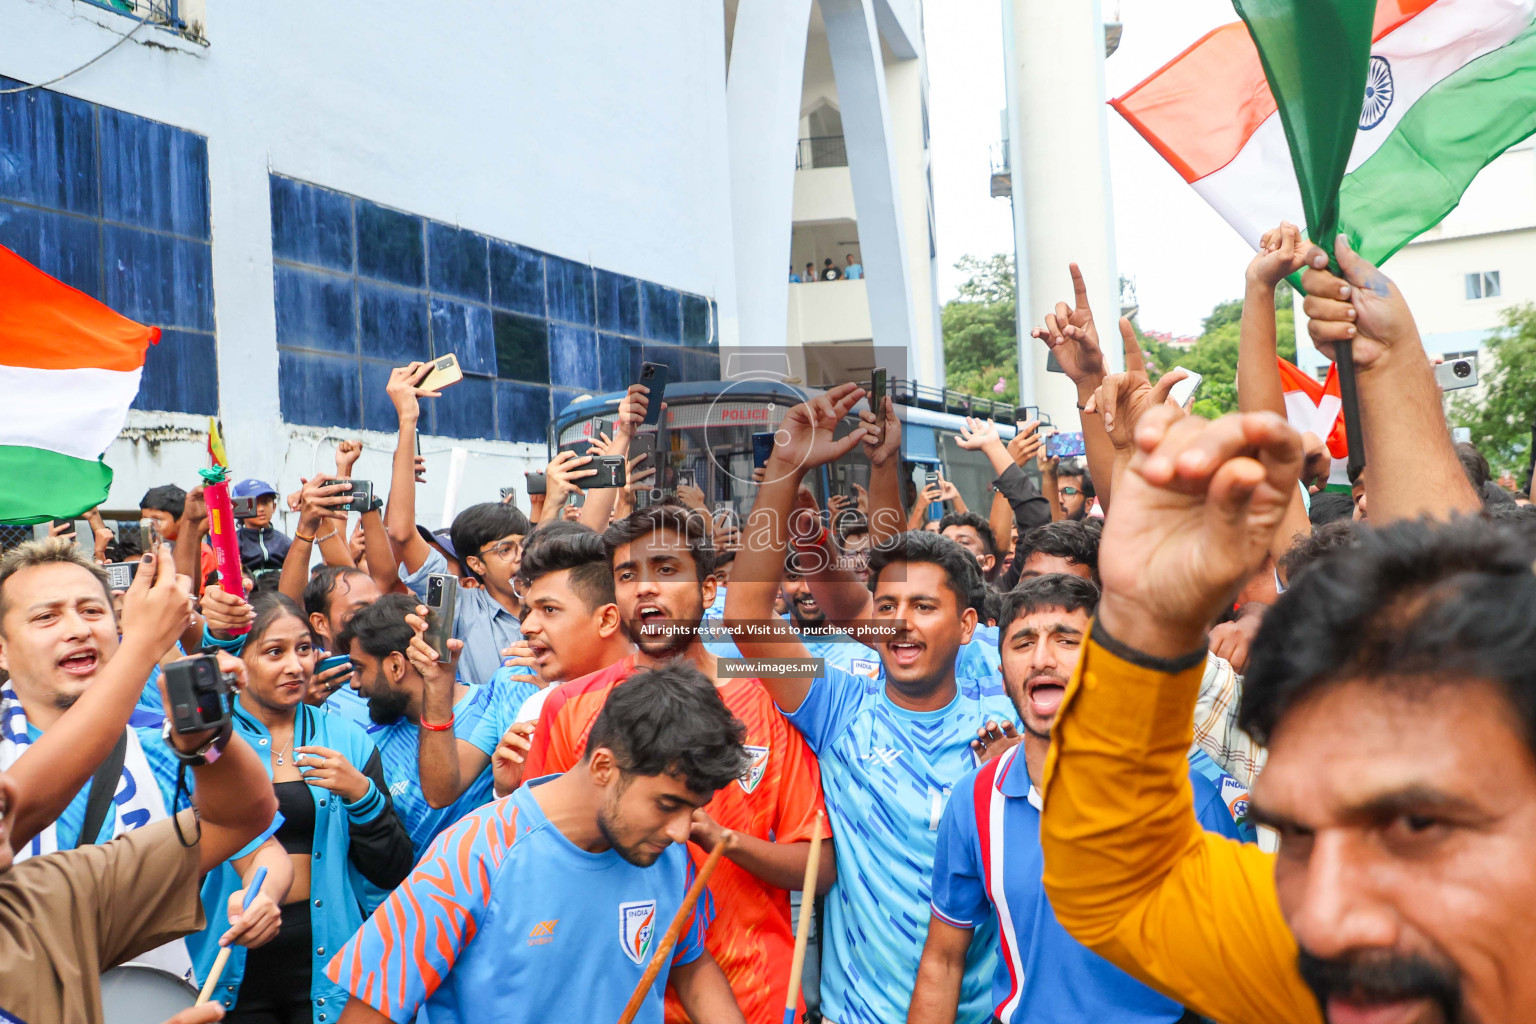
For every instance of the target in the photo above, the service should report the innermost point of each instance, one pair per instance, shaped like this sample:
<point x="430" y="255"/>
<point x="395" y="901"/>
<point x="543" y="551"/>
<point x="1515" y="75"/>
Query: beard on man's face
<point x="386" y="705"/>
<point x="1379" y="978"/>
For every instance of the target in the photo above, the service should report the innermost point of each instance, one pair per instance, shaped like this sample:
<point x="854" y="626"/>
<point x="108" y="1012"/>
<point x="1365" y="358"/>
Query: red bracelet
<point x="437" y="728"/>
<point x="818" y="542"/>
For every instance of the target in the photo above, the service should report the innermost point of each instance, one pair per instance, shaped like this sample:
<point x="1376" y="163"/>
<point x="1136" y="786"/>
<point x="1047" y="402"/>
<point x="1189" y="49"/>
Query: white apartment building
<point x="303" y="195"/>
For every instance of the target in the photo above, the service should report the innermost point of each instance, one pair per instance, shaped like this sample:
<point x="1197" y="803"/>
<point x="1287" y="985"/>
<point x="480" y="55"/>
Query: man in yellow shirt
<point x="1395" y="686"/>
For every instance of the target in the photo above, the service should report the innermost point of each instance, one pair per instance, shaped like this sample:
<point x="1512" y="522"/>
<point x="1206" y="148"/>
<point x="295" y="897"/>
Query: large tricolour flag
<point x="1451" y="85"/>
<point x="69" y="369"/>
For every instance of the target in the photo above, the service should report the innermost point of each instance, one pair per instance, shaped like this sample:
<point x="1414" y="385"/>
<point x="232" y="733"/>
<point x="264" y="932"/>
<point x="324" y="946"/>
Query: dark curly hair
<point x="1421" y="602"/>
<point x="670" y="720"/>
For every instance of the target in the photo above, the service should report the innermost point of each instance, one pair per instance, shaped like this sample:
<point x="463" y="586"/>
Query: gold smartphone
<point x="445" y="370"/>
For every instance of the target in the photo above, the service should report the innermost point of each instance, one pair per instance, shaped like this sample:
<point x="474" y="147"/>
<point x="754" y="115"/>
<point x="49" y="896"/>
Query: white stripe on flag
<point x="74" y="412"/>
<point x="1258" y="189"/>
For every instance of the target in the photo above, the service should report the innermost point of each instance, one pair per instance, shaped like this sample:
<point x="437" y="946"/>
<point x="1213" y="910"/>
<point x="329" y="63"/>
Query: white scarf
<point x="136" y="803"/>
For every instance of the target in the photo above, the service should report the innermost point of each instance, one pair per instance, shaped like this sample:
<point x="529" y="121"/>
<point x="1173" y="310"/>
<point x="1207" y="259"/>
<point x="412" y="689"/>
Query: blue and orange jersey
<point x="776" y="800"/>
<point x="504" y="911"/>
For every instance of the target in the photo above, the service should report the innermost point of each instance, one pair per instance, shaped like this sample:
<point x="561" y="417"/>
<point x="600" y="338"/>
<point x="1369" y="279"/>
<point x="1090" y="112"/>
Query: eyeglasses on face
<point x="1068" y="492"/>
<point x="502" y="549"/>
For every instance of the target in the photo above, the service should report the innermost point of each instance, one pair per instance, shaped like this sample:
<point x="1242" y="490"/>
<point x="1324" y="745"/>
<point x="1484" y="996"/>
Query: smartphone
<point x="762" y="447"/>
<point x="686" y="478"/>
<point x="445" y="370"/>
<point x="334" y="661"/>
<point x="120" y="574"/>
<point x="877" y="385"/>
<point x="507" y="494"/>
<point x="1025" y="413"/>
<point x="243" y="508"/>
<point x="536" y="483"/>
<point x="150" y="537"/>
<point x="610" y="472"/>
<point x="361" y="495"/>
<point x="1183" y="392"/>
<point x="654" y="376"/>
<point x="442" y="603"/>
<point x="1456" y="374"/>
<point x="579" y="447"/>
<point x="643" y="444"/>
<point x="725" y="516"/>
<point x="936" y="508"/>
<point x="1067" y="445"/>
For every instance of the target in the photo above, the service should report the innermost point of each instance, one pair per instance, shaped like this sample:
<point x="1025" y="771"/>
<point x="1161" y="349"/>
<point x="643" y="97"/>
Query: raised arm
<point x="317" y="507"/>
<point x="600" y="501"/>
<point x="1128" y="869"/>
<point x="1411" y="468"/>
<point x="1282" y="252"/>
<point x="378" y="555"/>
<point x="446" y="764"/>
<point x="806" y="442"/>
<point x="64" y="758"/>
<point x="400" y="514"/>
<point x="1073" y="339"/>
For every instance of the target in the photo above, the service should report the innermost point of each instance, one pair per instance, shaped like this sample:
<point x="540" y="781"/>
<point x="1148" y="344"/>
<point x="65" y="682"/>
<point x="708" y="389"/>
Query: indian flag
<point x="1315" y="408"/>
<point x="1451" y="85"/>
<point x="69" y="369"/>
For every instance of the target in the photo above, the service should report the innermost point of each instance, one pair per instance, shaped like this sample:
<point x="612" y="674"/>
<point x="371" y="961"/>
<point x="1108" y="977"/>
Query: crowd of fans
<point x="1174" y="734"/>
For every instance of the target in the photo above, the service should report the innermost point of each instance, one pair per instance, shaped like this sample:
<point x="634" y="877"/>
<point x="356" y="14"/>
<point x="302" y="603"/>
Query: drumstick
<point x="664" y="951"/>
<point x="251" y="892"/>
<point x="803" y="933"/>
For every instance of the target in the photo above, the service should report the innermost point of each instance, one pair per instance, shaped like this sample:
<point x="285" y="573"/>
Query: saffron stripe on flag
<point x="47" y="325"/>
<point x="1200" y="109"/>
<point x="37" y="485"/>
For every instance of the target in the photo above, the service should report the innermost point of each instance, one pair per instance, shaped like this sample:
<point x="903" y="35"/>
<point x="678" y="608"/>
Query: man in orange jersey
<point x="662" y="564"/>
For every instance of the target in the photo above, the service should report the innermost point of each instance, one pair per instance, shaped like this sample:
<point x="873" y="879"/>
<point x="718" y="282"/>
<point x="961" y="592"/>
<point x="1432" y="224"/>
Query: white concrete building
<point x="304" y="195"/>
<point x="848" y="78"/>
<point x="1461" y="275"/>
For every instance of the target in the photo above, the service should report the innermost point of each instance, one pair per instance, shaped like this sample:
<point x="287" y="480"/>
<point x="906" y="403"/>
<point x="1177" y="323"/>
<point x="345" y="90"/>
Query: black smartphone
<point x="610" y="472"/>
<point x="877" y="403"/>
<point x="654" y="376"/>
<point x="536" y="483"/>
<point x="579" y="447"/>
<point x="643" y="444"/>
<point x="762" y="447"/>
<point x="360" y="496"/>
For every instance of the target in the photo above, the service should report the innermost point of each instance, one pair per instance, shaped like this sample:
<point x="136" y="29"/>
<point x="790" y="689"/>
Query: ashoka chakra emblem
<point x="1378" y="93"/>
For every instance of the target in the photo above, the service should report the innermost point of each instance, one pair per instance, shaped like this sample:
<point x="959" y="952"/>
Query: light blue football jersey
<point x="887" y="773"/>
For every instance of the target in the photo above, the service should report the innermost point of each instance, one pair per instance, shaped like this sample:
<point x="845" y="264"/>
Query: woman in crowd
<point x="339" y="829"/>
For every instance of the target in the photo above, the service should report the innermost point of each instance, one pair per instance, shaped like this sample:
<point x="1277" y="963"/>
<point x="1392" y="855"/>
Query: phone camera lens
<point x="1461" y="368"/>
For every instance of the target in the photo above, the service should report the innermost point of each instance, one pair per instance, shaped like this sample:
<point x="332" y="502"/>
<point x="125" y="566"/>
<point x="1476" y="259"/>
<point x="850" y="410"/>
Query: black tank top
<point x="297" y="804"/>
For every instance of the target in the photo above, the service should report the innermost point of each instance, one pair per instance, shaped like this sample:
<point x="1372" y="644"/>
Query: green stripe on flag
<point x="37" y="485"/>
<point x="1455" y="130"/>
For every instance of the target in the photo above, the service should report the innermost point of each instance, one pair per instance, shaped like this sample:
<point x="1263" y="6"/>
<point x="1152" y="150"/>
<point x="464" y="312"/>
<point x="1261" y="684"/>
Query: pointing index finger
<point x="1079" y="288"/>
<point x="1135" y="362"/>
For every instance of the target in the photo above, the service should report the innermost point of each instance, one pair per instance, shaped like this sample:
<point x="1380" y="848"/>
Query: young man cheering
<point x="514" y="908"/>
<point x="662" y="573"/>
<point x="889" y="753"/>
<point x="571" y="628"/>
<point x="988" y="866"/>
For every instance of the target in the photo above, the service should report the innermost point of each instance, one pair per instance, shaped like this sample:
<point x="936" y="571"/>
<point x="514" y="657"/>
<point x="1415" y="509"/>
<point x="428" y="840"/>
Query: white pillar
<point x="858" y="65"/>
<point x="763" y="113"/>
<point x="1059" y="144"/>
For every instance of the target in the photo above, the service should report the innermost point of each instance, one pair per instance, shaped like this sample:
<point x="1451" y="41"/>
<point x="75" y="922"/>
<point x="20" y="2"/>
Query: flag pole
<point x="664" y="951"/>
<point x="1349" y="399"/>
<point x="803" y="933"/>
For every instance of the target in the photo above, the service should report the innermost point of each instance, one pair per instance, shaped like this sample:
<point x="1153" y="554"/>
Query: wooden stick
<point x="803" y="933"/>
<point x="251" y="892"/>
<point x="664" y="951"/>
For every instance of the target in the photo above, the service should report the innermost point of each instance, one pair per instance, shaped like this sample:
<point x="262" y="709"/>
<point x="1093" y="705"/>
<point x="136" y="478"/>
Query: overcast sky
<point x="1156" y="213"/>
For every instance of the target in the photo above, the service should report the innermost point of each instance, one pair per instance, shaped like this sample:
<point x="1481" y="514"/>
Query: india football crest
<point x="637" y="929"/>
<point x="756" y="768"/>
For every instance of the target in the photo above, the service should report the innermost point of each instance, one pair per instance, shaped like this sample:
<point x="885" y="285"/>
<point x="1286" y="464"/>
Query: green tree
<point x="981" y="330"/>
<point x="1500" y="417"/>
<point x="1214" y="353"/>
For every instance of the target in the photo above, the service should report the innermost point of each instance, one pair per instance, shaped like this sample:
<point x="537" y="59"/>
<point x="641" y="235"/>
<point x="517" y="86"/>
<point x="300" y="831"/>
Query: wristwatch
<point x="377" y="505"/>
<point x="207" y="753"/>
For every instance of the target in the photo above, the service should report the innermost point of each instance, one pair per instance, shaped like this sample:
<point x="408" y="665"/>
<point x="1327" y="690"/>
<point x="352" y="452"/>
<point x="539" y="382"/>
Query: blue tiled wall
<point x="361" y="288"/>
<point x="117" y="206"/>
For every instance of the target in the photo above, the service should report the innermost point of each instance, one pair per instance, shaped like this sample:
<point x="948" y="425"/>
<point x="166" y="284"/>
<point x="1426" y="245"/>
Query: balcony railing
<point x="906" y="392"/>
<point x="156" y="12"/>
<point x="821" y="151"/>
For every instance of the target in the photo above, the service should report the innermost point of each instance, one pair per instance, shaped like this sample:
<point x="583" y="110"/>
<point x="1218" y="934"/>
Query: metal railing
<point x="159" y="12"/>
<point x="821" y="151"/>
<point x="906" y="392"/>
